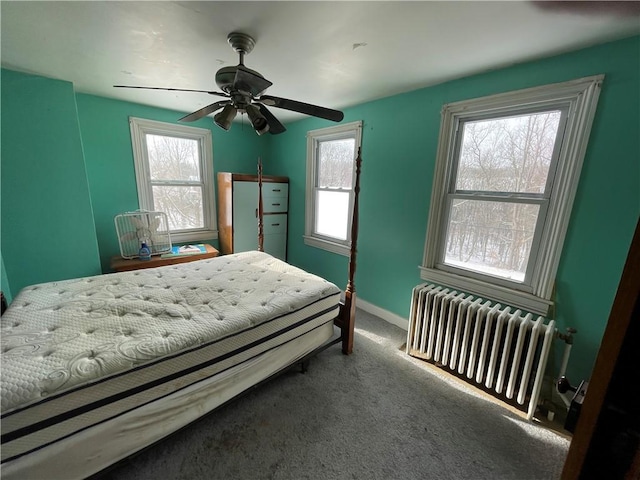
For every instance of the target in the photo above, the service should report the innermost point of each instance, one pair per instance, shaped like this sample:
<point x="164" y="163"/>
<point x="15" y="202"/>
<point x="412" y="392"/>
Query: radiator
<point x="498" y="348"/>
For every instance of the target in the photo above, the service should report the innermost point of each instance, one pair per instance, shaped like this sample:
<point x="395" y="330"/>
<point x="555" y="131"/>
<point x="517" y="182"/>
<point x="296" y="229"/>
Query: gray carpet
<point x="377" y="414"/>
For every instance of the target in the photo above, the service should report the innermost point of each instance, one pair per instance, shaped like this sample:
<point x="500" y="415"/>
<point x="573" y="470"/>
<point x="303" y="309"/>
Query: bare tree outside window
<point x="500" y="183"/>
<point x="173" y="158"/>
<point x="174" y="167"/>
<point x="506" y="173"/>
<point x="329" y="195"/>
<point x="174" y="175"/>
<point x="334" y="184"/>
<point x="335" y="163"/>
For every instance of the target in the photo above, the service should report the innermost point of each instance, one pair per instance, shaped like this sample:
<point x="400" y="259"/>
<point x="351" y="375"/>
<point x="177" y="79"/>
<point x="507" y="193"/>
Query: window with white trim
<point x="507" y="170"/>
<point x="174" y="175"/>
<point x="331" y="155"/>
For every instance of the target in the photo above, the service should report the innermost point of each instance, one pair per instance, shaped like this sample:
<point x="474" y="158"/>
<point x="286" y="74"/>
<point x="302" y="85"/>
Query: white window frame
<point x="578" y="98"/>
<point x="141" y="127"/>
<point x="314" y="137"/>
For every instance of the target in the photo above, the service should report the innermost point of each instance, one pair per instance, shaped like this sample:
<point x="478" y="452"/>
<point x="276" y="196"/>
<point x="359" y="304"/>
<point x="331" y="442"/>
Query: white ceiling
<point x="334" y="54"/>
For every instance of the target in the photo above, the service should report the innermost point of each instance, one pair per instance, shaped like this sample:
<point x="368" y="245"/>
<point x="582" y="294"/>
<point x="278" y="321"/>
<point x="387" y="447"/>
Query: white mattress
<point x="80" y="352"/>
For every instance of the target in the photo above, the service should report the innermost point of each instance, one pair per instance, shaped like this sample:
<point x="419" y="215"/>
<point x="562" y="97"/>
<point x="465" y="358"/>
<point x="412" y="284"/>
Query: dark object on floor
<point x="576" y="402"/>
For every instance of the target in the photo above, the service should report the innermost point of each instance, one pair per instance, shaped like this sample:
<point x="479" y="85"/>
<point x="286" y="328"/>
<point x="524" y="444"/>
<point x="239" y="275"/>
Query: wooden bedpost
<point x="348" y="311"/>
<point x="260" y="209"/>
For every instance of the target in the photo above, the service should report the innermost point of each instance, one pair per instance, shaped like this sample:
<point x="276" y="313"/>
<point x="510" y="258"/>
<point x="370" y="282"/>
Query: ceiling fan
<point x="244" y="91"/>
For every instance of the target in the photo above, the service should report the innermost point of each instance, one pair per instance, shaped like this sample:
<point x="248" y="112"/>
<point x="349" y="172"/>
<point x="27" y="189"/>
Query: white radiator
<point x="497" y="347"/>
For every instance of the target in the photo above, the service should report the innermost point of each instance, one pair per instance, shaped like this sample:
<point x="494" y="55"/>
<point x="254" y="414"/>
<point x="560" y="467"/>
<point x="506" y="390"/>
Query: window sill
<point x="333" y="247"/>
<point x="194" y="236"/>
<point x="514" y="298"/>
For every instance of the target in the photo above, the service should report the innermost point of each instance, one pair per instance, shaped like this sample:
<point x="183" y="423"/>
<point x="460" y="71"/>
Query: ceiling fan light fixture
<point x="258" y="120"/>
<point x="224" y="118"/>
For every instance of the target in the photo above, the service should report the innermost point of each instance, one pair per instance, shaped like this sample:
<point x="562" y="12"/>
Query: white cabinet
<point x="238" y="213"/>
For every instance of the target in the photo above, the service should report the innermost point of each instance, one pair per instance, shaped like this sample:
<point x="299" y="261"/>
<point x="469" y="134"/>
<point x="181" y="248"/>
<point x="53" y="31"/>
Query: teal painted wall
<point x="400" y="139"/>
<point x="104" y="124"/>
<point x="47" y="222"/>
<point x="4" y="282"/>
<point x="399" y="146"/>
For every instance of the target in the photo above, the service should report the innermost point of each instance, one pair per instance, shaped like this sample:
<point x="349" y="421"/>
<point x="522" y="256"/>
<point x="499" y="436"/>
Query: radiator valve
<point x="568" y="337"/>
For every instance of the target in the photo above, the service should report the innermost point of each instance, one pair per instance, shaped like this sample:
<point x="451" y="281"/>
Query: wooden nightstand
<point x="120" y="264"/>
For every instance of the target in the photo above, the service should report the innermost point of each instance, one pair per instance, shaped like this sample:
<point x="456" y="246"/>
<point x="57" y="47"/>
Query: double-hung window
<point x="331" y="154"/>
<point x="174" y="175"/>
<point x="507" y="171"/>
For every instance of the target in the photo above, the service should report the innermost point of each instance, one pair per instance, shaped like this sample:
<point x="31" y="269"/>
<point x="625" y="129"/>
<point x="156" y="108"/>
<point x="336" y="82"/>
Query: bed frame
<point x="346" y="318"/>
<point x="345" y="321"/>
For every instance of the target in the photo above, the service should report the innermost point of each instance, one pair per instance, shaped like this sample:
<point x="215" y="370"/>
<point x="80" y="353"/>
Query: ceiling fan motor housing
<point x="226" y="77"/>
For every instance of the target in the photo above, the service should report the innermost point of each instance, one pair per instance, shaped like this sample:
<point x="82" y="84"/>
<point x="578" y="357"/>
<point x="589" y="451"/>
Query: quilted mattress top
<point x="56" y="336"/>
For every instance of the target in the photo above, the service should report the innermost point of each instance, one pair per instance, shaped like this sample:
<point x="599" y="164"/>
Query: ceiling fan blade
<point x="204" y="111"/>
<point x="247" y="81"/>
<point x="275" y="127"/>
<point x="306" y="108"/>
<point x="174" y="90"/>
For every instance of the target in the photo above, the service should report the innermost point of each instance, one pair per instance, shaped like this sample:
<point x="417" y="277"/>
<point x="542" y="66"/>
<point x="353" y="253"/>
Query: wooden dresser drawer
<point x="272" y="204"/>
<point x="270" y="189"/>
<point x="275" y="224"/>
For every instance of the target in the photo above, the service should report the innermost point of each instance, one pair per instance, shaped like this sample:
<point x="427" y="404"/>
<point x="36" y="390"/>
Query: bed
<point x="95" y="369"/>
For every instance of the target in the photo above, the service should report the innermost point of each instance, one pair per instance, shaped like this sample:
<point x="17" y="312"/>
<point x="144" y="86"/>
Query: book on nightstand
<point x="185" y="250"/>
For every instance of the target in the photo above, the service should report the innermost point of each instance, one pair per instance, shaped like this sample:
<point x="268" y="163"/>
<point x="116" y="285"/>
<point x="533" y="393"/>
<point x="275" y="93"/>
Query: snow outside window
<point x="174" y="175"/>
<point x="507" y="170"/>
<point x="331" y="154"/>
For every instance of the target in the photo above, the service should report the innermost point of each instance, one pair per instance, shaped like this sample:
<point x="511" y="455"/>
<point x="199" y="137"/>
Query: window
<point x="507" y="170"/>
<point x="174" y="175"/>
<point x="331" y="154"/>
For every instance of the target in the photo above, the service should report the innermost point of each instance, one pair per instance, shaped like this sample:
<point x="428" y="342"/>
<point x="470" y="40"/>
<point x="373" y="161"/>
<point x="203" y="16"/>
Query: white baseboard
<point x="390" y="317"/>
